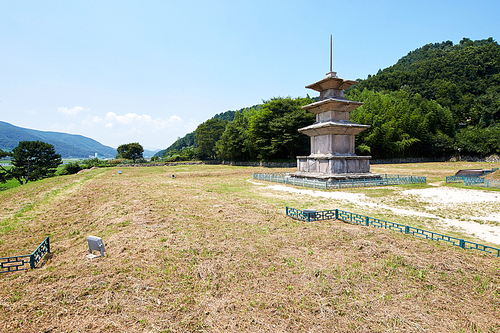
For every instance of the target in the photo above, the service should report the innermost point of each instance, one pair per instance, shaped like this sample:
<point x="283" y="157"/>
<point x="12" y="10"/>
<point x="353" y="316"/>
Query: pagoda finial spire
<point x="331" y="54"/>
<point x="331" y="73"/>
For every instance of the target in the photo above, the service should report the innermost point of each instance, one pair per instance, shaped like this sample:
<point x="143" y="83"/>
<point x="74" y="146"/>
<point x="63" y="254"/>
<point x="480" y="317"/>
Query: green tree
<point x="130" y="151"/>
<point x="70" y="168"/>
<point x="479" y="141"/>
<point x="207" y="135"/>
<point x="402" y="124"/>
<point x="235" y="143"/>
<point x="34" y="160"/>
<point x="4" y="173"/>
<point x="273" y="129"/>
<point x="187" y="141"/>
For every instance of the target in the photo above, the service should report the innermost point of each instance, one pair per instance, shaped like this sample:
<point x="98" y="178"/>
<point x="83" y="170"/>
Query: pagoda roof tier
<point x="332" y="104"/>
<point x="336" y="127"/>
<point x="331" y="81"/>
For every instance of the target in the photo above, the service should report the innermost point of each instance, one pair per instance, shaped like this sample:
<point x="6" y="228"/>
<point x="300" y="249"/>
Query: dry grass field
<point x="212" y="251"/>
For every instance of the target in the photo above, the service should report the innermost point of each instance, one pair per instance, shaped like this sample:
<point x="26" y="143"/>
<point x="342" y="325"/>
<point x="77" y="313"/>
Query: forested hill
<point x="68" y="145"/>
<point x="436" y="99"/>
<point x="464" y="77"/>
<point x="189" y="139"/>
<point x="433" y="101"/>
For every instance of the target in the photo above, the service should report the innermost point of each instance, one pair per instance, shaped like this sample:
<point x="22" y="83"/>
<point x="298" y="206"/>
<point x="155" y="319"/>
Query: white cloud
<point x="128" y="118"/>
<point x="135" y="123"/>
<point x="72" y="111"/>
<point x="32" y="112"/>
<point x="114" y="129"/>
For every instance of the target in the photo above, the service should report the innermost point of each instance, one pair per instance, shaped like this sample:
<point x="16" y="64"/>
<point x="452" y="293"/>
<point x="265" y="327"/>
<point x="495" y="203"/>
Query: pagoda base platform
<point x="333" y="176"/>
<point x="332" y="167"/>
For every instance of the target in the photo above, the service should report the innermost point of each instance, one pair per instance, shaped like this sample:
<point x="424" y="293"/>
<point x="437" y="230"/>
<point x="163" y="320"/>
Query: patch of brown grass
<point x="207" y="251"/>
<point x="495" y="175"/>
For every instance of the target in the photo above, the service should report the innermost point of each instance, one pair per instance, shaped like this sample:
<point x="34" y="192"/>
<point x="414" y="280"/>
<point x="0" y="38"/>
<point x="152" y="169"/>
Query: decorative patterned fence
<point x="282" y="178"/>
<point x="455" y="179"/>
<point x="336" y="214"/>
<point x="492" y="183"/>
<point x="473" y="181"/>
<point x="384" y="181"/>
<point x="327" y="185"/>
<point x="19" y="263"/>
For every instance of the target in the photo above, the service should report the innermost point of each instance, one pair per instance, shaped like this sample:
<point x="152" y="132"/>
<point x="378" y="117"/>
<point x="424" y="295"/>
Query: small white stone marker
<point x="95" y="244"/>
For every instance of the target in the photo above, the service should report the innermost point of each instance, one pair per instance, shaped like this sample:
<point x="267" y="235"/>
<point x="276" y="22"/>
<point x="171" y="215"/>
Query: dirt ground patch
<point x="432" y="204"/>
<point x="495" y="175"/>
<point x="212" y="251"/>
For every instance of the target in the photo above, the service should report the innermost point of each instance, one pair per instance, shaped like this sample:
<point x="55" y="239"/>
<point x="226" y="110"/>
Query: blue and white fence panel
<point x="474" y="181"/>
<point x="319" y="184"/>
<point x="492" y="183"/>
<point x="337" y="214"/>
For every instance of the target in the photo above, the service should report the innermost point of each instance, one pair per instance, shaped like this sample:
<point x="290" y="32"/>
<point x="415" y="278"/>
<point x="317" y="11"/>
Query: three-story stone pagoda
<point x="332" y="135"/>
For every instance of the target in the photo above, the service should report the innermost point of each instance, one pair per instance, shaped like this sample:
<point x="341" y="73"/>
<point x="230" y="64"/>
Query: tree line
<point x="433" y="101"/>
<point x="263" y="132"/>
<point x="34" y="160"/>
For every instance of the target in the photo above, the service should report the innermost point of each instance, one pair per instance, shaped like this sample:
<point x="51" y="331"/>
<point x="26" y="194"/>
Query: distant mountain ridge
<point x="68" y="145"/>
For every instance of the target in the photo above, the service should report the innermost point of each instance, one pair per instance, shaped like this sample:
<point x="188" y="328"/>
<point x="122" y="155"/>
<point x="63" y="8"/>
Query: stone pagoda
<point x="332" y="135"/>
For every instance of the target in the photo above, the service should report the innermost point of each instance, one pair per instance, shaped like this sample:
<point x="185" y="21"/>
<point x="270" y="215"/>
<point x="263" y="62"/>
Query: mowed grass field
<point x="211" y="251"/>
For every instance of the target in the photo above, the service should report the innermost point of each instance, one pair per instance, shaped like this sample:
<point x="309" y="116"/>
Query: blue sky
<point x="151" y="71"/>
